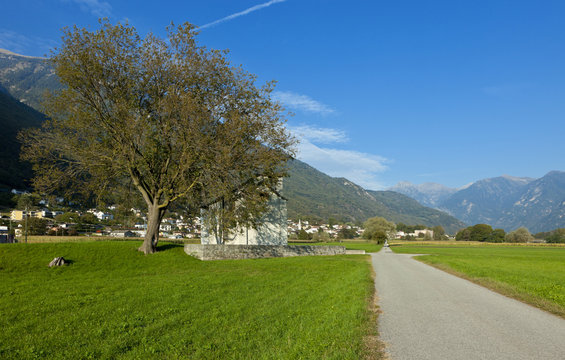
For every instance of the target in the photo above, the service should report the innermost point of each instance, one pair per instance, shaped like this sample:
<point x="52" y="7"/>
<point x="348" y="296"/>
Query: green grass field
<point x="113" y="302"/>
<point x="533" y="274"/>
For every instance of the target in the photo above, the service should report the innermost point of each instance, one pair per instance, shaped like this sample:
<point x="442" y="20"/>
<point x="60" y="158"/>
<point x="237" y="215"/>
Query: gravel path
<point x="429" y="314"/>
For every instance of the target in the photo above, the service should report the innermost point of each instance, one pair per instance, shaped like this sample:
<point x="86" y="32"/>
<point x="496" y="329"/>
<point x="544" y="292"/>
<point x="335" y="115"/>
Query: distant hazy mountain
<point x="506" y="202"/>
<point x="26" y="78"/>
<point x="540" y="205"/>
<point x="428" y="194"/>
<point x="484" y="200"/>
<point x="312" y="193"/>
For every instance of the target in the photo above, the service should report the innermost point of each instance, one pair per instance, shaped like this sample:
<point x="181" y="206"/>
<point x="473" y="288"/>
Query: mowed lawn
<point x="114" y="302"/>
<point x="533" y="274"/>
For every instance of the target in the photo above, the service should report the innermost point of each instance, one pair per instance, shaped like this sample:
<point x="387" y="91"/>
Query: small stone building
<point x="271" y="231"/>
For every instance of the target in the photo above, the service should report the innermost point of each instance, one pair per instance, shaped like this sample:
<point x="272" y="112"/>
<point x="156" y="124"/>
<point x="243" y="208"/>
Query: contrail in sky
<point x="241" y="13"/>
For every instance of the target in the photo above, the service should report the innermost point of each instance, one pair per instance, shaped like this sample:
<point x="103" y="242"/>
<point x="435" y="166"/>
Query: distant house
<point x="416" y="233"/>
<point x="271" y="231"/>
<point x="122" y="233"/>
<point x="423" y="233"/>
<point x="19" y="215"/>
<point x="101" y="215"/>
<point x="5" y="235"/>
<point x="165" y="227"/>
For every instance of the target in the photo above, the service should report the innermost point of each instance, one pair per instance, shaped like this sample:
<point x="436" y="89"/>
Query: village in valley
<point x="111" y="222"/>
<point x="117" y="222"/>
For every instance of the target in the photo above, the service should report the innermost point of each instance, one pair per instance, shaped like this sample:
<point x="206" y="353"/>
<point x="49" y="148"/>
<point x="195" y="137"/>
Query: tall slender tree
<point x="167" y="117"/>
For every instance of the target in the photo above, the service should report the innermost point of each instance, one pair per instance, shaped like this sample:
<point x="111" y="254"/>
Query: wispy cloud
<point x="95" y="7"/>
<point x="25" y="45"/>
<point x="359" y="167"/>
<point x="319" y="135"/>
<point x="241" y="13"/>
<point x="302" y="102"/>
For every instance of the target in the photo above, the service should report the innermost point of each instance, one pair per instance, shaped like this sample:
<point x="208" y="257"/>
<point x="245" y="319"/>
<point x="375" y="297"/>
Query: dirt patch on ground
<point x="374" y="348"/>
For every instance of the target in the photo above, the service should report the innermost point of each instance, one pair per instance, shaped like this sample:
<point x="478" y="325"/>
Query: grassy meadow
<point x="113" y="302"/>
<point x="534" y="274"/>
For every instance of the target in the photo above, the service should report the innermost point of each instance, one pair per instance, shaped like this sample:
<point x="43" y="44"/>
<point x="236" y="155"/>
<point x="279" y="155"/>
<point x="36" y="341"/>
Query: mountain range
<point x="26" y="78"/>
<point x="311" y="193"/>
<point x="505" y="202"/>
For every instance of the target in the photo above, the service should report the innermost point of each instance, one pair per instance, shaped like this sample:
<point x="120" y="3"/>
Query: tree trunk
<point x="154" y="217"/>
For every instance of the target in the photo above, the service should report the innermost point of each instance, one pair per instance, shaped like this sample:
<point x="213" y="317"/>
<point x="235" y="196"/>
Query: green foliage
<point x="481" y="233"/>
<point x="497" y="236"/>
<point x="409" y="228"/>
<point x="533" y="274"/>
<point x="556" y="236"/>
<point x="321" y="236"/>
<point x="120" y="304"/>
<point x="439" y="232"/>
<point x="35" y="226"/>
<point x="520" y="235"/>
<point x="345" y="233"/>
<point x="27" y="201"/>
<point x="378" y="229"/>
<point x="68" y="217"/>
<point x="463" y="235"/>
<point x="88" y="218"/>
<point x="303" y="235"/>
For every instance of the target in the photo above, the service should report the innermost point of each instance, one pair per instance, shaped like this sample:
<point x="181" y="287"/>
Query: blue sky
<point x="381" y="91"/>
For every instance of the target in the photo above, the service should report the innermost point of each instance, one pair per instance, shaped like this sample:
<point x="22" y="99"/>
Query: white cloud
<point x="301" y="102"/>
<point x="25" y="45"/>
<point x="361" y="168"/>
<point x="319" y="135"/>
<point x="241" y="13"/>
<point x="95" y="7"/>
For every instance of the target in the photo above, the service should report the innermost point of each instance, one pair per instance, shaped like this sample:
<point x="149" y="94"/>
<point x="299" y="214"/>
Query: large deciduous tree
<point x="378" y="229"/>
<point x="520" y="235"/>
<point x="167" y="117"/>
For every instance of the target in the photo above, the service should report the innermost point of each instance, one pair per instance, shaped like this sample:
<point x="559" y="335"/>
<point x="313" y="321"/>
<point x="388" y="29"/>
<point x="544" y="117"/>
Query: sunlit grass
<point x="531" y="273"/>
<point x="114" y="302"/>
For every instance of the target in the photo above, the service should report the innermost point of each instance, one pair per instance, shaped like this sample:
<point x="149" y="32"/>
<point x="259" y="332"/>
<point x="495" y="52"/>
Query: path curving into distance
<point x="430" y="314"/>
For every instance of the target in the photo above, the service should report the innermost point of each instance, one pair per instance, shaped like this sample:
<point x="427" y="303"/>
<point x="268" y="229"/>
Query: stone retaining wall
<point x="223" y="252"/>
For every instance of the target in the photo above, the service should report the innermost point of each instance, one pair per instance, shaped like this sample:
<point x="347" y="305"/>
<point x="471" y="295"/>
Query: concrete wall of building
<point x="271" y="231"/>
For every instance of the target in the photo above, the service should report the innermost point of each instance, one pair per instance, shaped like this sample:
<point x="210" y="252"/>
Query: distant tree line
<point x="409" y="228"/>
<point x="485" y="233"/>
<point x="554" y="236"/>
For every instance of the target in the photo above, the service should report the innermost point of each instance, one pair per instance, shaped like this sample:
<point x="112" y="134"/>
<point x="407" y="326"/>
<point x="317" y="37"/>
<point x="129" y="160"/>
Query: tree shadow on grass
<point x="165" y="247"/>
